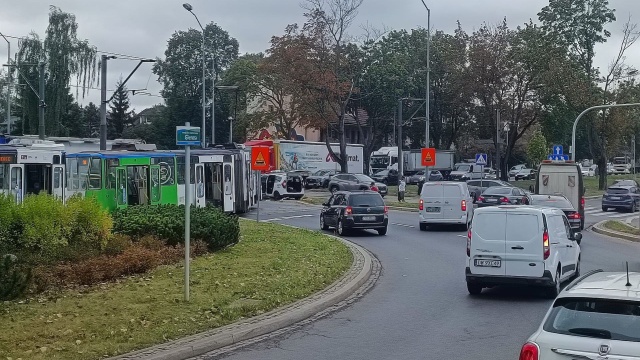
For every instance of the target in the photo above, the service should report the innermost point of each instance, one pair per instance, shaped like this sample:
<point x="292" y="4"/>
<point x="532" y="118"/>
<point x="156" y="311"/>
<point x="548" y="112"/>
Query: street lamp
<point x="189" y="8"/>
<point x="8" y="85"/>
<point x="230" y="129"/>
<point x="428" y="70"/>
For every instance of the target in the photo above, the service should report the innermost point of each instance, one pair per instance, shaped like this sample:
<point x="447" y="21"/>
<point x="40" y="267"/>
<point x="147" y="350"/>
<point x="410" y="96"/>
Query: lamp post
<point x="8" y="85"/>
<point x="428" y="71"/>
<point x="189" y="8"/>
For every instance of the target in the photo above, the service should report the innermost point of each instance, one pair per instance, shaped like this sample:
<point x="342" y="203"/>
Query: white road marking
<point x="620" y="215"/>
<point x="296" y="216"/>
<point x="404" y="225"/>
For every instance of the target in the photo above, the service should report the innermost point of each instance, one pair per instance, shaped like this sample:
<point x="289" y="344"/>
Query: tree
<point x="537" y="149"/>
<point x="91" y="120"/>
<point x="120" y="115"/>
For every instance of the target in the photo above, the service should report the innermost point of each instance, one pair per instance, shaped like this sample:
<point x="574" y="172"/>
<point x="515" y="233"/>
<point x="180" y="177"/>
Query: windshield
<point x="320" y="172"/>
<point x="463" y="168"/>
<point x="363" y="178"/>
<point x="383" y="172"/>
<point x="366" y="200"/>
<point x="595" y="318"/>
<point x="620" y="161"/>
<point x="555" y="202"/>
<point x="498" y="191"/>
<point x="617" y="191"/>
<point x="379" y="161"/>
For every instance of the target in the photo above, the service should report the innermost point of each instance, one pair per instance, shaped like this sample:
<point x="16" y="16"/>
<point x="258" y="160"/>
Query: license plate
<point x="433" y="209"/>
<point x="368" y="218"/>
<point x="488" y="263"/>
<point x="615" y="198"/>
<point x="491" y="200"/>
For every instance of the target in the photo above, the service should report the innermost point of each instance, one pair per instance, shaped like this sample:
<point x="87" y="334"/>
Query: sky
<point x="142" y="27"/>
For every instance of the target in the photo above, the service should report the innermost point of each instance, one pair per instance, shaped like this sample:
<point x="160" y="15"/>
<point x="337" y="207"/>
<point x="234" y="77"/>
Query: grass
<point x="272" y="266"/>
<point x="621" y="227"/>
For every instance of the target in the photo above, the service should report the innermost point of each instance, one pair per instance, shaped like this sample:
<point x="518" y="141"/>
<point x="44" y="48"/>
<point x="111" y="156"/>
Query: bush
<point x="14" y="279"/>
<point x="9" y="224"/>
<point x="117" y="244"/>
<point x="45" y="224"/>
<point x="91" y="224"/>
<point x="166" y="222"/>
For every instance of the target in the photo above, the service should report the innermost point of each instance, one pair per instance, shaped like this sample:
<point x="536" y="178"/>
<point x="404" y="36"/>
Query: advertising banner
<point x="315" y="156"/>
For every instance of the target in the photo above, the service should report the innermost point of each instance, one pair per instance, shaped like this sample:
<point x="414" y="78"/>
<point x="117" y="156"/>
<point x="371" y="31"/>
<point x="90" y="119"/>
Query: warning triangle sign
<point x="260" y="160"/>
<point x="428" y="157"/>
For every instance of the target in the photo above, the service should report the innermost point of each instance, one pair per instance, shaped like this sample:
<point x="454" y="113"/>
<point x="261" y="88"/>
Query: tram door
<point x="155" y="188"/>
<point x="121" y="188"/>
<point x="58" y="181"/>
<point x="228" y="187"/>
<point x="200" y="200"/>
<point x="16" y="173"/>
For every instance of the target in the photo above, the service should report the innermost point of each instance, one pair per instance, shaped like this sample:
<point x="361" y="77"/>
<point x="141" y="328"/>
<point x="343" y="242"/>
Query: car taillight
<point x="545" y="244"/>
<point x="463" y="205"/>
<point x="469" y="243"/>
<point x="480" y="198"/>
<point x="505" y="200"/>
<point x="582" y="201"/>
<point x="530" y="351"/>
<point x="348" y="210"/>
<point x="574" y="216"/>
<point x="386" y="209"/>
<point x="421" y="205"/>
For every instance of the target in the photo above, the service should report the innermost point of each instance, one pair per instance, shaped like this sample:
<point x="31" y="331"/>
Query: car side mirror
<point x="577" y="237"/>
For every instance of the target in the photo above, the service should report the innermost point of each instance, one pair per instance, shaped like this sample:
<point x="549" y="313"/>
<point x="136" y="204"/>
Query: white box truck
<point x="562" y="178"/>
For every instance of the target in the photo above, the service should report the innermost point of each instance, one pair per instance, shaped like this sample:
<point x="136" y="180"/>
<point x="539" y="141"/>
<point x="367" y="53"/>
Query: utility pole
<point x="103" y="102"/>
<point x="213" y="100"/>
<point x="42" y="102"/>
<point x="9" y="89"/>
<point x="498" y="141"/>
<point x="635" y="165"/>
<point x="400" y="160"/>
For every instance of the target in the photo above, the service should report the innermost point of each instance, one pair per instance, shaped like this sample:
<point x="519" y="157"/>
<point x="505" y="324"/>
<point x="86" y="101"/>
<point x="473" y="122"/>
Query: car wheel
<point x="382" y="231"/>
<point x="423" y="227"/>
<point x="323" y="225"/>
<point x="553" y="291"/>
<point x="582" y="224"/>
<point x="340" y="228"/>
<point x="276" y="196"/>
<point x="577" y="269"/>
<point x="633" y="208"/>
<point x="474" y="289"/>
<point x="334" y="189"/>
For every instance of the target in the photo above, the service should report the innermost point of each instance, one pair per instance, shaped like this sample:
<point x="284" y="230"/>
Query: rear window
<point x="465" y="168"/>
<point x="490" y="226"/>
<point x="595" y="318"/>
<point x="498" y="191"/>
<point x="522" y="226"/>
<point x="559" y="203"/>
<point x="617" y="191"/>
<point x="368" y="200"/>
<point x="363" y="178"/>
<point x="451" y="191"/>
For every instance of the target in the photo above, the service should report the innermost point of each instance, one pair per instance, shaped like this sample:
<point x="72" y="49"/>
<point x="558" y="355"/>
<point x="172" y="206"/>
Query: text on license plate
<point x="615" y="198"/>
<point x="433" y="209"/>
<point x="368" y="218"/>
<point x="488" y="263"/>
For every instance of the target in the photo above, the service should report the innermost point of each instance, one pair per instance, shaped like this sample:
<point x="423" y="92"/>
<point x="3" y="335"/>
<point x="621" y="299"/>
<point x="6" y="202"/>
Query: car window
<point x="363" y="178"/>
<point x="556" y="226"/>
<point x="515" y="191"/>
<point x="595" y="318"/>
<point x="351" y="178"/>
<point x="498" y="191"/>
<point x="617" y="191"/>
<point x="473" y="183"/>
<point x="331" y="198"/>
<point x="567" y="227"/>
<point x="339" y="200"/>
<point x="366" y="200"/>
<point x="555" y="202"/>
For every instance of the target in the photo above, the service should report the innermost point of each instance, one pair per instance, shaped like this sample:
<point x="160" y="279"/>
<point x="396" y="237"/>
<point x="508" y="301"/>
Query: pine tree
<point x="119" y="114"/>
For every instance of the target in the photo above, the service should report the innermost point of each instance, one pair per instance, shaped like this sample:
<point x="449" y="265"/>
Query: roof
<point x="608" y="285"/>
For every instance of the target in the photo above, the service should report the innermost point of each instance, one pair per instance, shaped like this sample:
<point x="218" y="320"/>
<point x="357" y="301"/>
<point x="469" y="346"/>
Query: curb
<point x="598" y="228"/>
<point x="361" y="273"/>
<point x="593" y="197"/>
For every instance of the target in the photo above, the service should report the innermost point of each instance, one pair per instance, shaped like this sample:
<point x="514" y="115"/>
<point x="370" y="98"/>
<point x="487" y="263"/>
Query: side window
<point x="515" y="191"/>
<point x="336" y="177"/>
<point x="473" y="183"/>
<point x="567" y="227"/>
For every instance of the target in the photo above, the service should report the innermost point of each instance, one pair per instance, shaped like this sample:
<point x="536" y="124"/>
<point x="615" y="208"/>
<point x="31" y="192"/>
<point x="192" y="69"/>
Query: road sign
<point x="481" y="159"/>
<point x="428" y="157"/>
<point x="557" y="150"/>
<point x="561" y="157"/>
<point x="260" y="158"/>
<point x="187" y="136"/>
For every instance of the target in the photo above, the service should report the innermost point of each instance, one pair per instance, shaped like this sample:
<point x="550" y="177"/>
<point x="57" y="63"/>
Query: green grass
<point x="621" y="227"/>
<point x="272" y="266"/>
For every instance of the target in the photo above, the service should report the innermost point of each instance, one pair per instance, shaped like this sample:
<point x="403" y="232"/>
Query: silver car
<point x="352" y="182"/>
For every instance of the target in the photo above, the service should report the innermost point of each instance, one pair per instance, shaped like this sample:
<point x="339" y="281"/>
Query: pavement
<point x="362" y="275"/>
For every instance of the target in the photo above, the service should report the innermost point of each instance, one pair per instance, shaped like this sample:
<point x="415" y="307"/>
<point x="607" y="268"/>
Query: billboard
<point x="315" y="156"/>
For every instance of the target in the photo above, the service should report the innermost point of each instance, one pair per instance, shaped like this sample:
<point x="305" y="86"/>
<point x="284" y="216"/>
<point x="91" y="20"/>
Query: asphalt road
<point x="420" y="308"/>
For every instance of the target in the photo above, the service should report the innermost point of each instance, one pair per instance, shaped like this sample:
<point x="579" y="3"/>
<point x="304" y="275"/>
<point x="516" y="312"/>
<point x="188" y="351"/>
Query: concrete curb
<point x="592" y="197"/>
<point x="600" y="229"/>
<point x="359" y="275"/>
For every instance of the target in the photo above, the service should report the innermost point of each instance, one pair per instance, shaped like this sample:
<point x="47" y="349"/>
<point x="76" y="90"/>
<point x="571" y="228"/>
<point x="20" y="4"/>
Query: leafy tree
<point x="120" y="116"/>
<point x="538" y="148"/>
<point x="91" y="120"/>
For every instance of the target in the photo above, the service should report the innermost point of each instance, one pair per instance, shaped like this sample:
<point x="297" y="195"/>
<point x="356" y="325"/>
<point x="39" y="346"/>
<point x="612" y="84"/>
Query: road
<point x="420" y="308"/>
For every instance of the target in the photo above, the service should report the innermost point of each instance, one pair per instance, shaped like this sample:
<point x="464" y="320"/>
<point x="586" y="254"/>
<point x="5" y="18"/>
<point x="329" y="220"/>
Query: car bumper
<point x="352" y="223"/>
<point x="545" y="280"/>
<point x="627" y="204"/>
<point x="455" y="221"/>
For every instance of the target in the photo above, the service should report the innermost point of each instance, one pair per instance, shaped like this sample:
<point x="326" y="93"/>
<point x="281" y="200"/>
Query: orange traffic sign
<point x="260" y="158"/>
<point x="428" y="157"/>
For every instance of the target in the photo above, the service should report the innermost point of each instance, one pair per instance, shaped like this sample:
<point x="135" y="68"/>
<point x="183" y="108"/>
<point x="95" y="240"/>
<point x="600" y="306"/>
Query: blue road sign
<point x="481" y="159"/>
<point x="557" y="150"/>
<point x="561" y="157"/>
<point x="187" y="136"/>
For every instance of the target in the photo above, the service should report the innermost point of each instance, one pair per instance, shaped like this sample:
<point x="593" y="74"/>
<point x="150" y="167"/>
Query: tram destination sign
<point x="187" y="136"/>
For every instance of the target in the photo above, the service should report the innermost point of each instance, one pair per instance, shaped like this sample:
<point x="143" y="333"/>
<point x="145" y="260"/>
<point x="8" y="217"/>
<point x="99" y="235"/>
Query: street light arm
<point x="198" y="20"/>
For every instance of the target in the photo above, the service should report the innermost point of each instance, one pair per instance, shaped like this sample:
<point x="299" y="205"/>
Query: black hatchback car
<point x="355" y="210"/>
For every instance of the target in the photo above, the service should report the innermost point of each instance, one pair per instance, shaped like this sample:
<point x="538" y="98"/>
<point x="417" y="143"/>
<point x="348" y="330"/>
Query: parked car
<point x="560" y="202"/>
<point x="490" y="174"/>
<point x="593" y="170"/>
<point x="477" y="187"/>
<point x="595" y="317"/>
<point x="503" y="195"/>
<point x="525" y="174"/>
<point x="515" y="169"/>
<point x="620" y="197"/>
<point x="319" y="179"/>
<point x="350" y="182"/>
<point x="445" y="203"/>
<point x="434" y="175"/>
<point x="355" y="210"/>
<point x="386" y="176"/>
<point x="521" y="245"/>
<point x="283" y="185"/>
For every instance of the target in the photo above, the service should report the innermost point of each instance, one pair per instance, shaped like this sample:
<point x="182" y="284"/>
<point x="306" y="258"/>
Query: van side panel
<point x="524" y="253"/>
<point x="488" y="242"/>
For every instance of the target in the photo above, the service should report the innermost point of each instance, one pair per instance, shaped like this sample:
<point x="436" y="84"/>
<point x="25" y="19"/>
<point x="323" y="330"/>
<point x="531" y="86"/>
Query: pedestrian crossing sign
<point x="481" y="159"/>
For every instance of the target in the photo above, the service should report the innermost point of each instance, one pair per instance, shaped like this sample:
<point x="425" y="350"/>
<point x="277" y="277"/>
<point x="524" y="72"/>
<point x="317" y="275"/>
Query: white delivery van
<point x="562" y="178"/>
<point x="280" y="185"/>
<point x="521" y="245"/>
<point x="445" y="203"/>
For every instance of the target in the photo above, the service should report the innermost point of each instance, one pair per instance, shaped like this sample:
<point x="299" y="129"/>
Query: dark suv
<point x="355" y="210"/>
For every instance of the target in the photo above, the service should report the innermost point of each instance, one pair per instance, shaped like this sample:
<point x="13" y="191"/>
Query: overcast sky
<point x="142" y="27"/>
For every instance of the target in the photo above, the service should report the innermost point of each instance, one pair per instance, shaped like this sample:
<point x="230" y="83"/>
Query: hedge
<point x="208" y="224"/>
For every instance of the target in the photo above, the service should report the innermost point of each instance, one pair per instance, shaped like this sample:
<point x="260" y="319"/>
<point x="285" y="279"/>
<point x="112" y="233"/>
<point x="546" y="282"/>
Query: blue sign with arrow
<point x="557" y="150"/>
<point x="561" y="157"/>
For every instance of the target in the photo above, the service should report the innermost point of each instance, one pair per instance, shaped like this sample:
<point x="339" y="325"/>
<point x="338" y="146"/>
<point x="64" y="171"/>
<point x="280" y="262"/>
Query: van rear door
<point x="452" y="198"/>
<point x="524" y="244"/>
<point x="488" y="242"/>
<point x="563" y="179"/>
<point x="433" y="198"/>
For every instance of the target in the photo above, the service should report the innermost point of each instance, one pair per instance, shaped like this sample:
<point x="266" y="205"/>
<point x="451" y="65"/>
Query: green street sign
<point x="187" y="136"/>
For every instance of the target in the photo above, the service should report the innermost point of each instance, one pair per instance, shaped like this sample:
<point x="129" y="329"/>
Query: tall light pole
<point x="203" y="133"/>
<point x="428" y="71"/>
<point x="8" y="85"/>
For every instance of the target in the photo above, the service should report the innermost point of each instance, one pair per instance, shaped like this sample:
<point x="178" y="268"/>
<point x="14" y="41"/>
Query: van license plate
<point x="433" y="209"/>
<point x="368" y="218"/>
<point x="488" y="263"/>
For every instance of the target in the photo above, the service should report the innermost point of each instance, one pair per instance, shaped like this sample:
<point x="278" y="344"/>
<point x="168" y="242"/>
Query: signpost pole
<point x="187" y="217"/>
<point x="259" y="196"/>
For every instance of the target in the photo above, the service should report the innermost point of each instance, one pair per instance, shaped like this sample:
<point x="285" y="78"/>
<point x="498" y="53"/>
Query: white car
<point x="521" y="245"/>
<point x="595" y="317"/>
<point x="515" y="169"/>
<point x="445" y="202"/>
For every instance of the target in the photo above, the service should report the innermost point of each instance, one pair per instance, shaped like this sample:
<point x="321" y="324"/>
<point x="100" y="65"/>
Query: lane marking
<point x="404" y="225"/>
<point x="620" y="215"/>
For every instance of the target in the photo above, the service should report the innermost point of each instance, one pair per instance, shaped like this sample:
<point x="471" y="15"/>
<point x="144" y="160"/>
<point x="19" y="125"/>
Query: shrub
<point x="117" y="244"/>
<point x="9" y="229"/>
<point x="14" y="279"/>
<point x="166" y="222"/>
<point x="45" y="223"/>
<point x="91" y="225"/>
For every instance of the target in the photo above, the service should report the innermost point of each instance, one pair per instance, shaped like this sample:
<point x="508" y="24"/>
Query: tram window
<point x="4" y="176"/>
<point x="72" y="173"/>
<point x="57" y="178"/>
<point x="95" y="174"/>
<point x="110" y="180"/>
<point x="167" y="169"/>
<point x="83" y="173"/>
<point x="227" y="173"/>
<point x="181" y="173"/>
